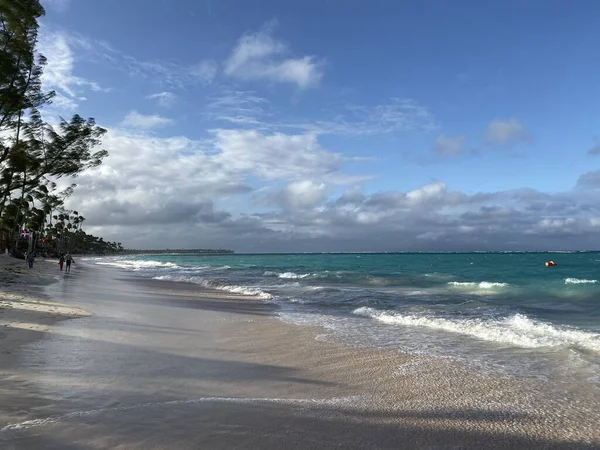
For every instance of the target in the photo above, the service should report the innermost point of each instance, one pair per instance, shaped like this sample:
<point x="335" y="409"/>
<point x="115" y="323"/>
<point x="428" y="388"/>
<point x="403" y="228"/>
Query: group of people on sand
<point x="65" y="259"/>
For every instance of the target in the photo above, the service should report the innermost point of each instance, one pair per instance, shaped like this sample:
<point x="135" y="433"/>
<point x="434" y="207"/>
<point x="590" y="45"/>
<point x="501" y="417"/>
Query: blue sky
<point x="360" y="96"/>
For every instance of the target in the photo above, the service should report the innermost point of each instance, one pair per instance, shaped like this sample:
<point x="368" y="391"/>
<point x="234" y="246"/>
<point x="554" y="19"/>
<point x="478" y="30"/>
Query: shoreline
<point x="222" y="367"/>
<point x="428" y="392"/>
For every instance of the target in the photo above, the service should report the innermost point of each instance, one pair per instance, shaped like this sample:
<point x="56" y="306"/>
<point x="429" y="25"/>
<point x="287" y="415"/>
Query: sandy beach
<point x="26" y="313"/>
<point x="160" y="364"/>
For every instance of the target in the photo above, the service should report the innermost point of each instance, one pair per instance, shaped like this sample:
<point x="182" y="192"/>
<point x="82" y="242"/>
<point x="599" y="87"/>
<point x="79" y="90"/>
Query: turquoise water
<point x="503" y="311"/>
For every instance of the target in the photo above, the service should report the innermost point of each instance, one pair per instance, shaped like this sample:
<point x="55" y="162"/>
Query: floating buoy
<point x="550" y="264"/>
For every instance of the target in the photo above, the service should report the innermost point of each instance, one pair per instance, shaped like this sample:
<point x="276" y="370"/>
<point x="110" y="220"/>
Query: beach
<point x="26" y="313"/>
<point x="164" y="364"/>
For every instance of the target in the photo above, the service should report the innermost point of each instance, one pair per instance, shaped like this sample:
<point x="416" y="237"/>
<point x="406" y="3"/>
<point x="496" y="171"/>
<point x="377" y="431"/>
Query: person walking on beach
<point x="30" y="260"/>
<point x="69" y="260"/>
<point x="61" y="261"/>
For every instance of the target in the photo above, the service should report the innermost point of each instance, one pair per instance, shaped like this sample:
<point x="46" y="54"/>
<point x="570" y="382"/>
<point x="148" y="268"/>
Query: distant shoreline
<point x="177" y="251"/>
<point x="229" y="252"/>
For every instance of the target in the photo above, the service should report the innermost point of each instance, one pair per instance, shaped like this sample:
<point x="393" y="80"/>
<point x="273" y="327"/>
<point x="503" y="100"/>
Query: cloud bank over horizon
<point x="262" y="146"/>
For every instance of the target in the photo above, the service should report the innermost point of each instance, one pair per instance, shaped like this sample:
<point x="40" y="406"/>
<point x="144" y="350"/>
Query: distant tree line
<point x="34" y="154"/>
<point x="181" y="250"/>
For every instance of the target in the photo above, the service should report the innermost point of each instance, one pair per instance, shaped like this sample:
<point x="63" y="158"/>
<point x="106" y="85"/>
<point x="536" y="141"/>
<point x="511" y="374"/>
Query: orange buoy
<point x="550" y="264"/>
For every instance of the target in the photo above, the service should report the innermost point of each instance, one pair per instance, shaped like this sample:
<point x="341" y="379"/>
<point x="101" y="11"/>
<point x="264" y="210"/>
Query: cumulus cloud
<point x="181" y="192"/>
<point x="180" y="179"/>
<point x="426" y="193"/>
<point x="136" y="120"/>
<point x="276" y="155"/>
<point x="164" y="99"/>
<point x="155" y="182"/>
<point x="301" y="195"/>
<point x="259" y="56"/>
<point x="188" y="193"/>
<point x="505" y="132"/>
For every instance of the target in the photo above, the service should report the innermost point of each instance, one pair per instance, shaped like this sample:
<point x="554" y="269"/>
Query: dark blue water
<point x="506" y="311"/>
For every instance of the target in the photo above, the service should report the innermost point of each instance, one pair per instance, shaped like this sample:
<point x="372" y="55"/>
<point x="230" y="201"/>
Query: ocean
<point x="501" y="312"/>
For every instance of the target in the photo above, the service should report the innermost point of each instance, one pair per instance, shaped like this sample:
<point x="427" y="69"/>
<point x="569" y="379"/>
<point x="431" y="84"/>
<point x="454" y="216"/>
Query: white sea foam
<point x="137" y="265"/>
<point x="479" y="288"/>
<point x="517" y="330"/>
<point x="579" y="281"/>
<point x="481" y="285"/>
<point x="210" y="284"/>
<point x="286" y="275"/>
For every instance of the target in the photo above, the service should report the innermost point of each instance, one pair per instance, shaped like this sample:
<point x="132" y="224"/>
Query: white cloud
<point x="449" y="146"/>
<point x="505" y="132"/>
<point x="58" y="73"/>
<point x="144" y="174"/>
<point x="205" y="71"/>
<point x="196" y="193"/>
<point x="186" y="191"/>
<point x="276" y="156"/>
<point x="302" y="195"/>
<point x="427" y="192"/>
<point x="164" y="99"/>
<point x="136" y="120"/>
<point x="259" y="56"/>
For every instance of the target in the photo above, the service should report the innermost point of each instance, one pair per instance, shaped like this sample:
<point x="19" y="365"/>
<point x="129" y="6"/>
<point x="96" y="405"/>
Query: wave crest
<point x="212" y="284"/>
<point x="517" y="330"/>
<point x="139" y="265"/>
<point x="286" y="275"/>
<point x="579" y="281"/>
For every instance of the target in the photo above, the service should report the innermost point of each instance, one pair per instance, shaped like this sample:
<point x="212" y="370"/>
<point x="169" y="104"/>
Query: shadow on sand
<point x="260" y="425"/>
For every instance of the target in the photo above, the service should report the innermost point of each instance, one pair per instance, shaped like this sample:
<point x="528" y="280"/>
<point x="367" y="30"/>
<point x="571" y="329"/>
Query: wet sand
<point x="171" y="365"/>
<point x="26" y="313"/>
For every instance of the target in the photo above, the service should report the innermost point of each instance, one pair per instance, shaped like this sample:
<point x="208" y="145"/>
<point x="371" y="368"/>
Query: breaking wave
<point x="579" y="281"/>
<point x="481" y="288"/>
<point x="286" y="275"/>
<point x="212" y="284"/>
<point x="139" y="265"/>
<point x="517" y="330"/>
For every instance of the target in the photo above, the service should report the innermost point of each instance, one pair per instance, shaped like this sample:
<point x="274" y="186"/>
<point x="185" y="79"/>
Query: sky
<point x="329" y="125"/>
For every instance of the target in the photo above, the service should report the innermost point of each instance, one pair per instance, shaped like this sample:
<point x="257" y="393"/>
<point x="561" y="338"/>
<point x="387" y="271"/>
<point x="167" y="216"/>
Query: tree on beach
<point x="34" y="153"/>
